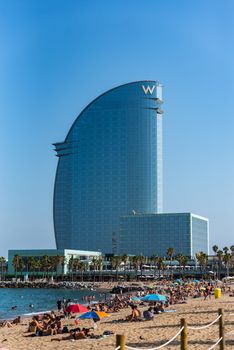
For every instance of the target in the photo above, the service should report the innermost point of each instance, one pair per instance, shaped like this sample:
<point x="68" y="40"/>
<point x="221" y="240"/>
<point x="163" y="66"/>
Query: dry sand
<point x="146" y="334"/>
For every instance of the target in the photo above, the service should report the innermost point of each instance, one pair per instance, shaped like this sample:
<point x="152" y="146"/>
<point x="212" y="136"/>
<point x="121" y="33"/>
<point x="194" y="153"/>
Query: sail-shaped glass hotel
<point x="110" y="165"/>
<point x="108" y="186"/>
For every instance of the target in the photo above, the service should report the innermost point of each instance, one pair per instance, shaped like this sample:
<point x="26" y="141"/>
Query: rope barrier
<point x="206" y="326"/>
<point x="184" y="327"/>
<point x="158" y="347"/>
<point x="218" y="341"/>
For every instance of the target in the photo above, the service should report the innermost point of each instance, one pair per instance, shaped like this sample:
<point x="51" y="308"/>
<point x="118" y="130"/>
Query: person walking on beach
<point x="59" y="304"/>
<point x="208" y="291"/>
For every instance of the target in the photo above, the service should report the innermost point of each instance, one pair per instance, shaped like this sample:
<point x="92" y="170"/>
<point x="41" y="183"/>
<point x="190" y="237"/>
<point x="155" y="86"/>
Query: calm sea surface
<point x="42" y="299"/>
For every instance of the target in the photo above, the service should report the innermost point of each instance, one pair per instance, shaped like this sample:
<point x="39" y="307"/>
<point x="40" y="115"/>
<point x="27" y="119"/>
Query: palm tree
<point x="63" y="262"/>
<point x="225" y="249"/>
<point x="115" y="264"/>
<point x="160" y="265"/>
<point x="170" y="253"/>
<point x="141" y="260"/>
<point x="219" y="254"/>
<point x="184" y="261"/>
<point x="38" y="265"/>
<point x="179" y="257"/>
<point x="154" y="260"/>
<point x="71" y="266"/>
<point x="55" y="262"/>
<point x="203" y="260"/>
<point x="76" y="265"/>
<point x="215" y="248"/>
<point x="135" y="263"/>
<point x="3" y="265"/>
<point x="227" y="258"/>
<point x="82" y="269"/>
<point x="18" y="263"/>
<point x="30" y="264"/>
<point x="46" y="264"/>
<point x="232" y="249"/>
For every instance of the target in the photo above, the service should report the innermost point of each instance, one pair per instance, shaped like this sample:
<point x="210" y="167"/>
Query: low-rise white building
<point x="34" y="260"/>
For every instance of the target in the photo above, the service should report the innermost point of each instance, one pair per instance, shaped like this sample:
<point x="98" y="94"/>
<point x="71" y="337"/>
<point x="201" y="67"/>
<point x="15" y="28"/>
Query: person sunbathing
<point x="148" y="314"/>
<point x="74" y="334"/>
<point x="35" y="325"/>
<point x="135" y="315"/>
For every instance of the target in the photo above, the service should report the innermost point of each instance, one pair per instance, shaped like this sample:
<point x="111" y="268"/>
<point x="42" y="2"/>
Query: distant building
<point x="62" y="268"/>
<point x="110" y="164"/>
<point x="153" y="234"/>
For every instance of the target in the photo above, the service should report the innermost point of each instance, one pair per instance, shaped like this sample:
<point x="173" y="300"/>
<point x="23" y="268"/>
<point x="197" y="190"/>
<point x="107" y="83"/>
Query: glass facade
<point x="200" y="235"/>
<point x="110" y="164"/>
<point x="153" y="234"/>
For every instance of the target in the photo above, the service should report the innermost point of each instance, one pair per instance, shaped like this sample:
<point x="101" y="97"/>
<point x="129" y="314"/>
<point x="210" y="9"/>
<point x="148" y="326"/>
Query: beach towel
<point x="170" y="311"/>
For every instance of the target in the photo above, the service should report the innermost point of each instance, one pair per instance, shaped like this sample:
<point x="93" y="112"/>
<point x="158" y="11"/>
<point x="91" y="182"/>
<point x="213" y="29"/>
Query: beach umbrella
<point x="76" y="308"/>
<point x="95" y="315"/>
<point x="135" y="299"/>
<point x="154" y="297"/>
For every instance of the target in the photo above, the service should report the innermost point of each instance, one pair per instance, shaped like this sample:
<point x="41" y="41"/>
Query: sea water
<point x="41" y="299"/>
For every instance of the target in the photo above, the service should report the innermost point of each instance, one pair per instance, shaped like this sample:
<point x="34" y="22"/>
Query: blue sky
<point x="56" y="56"/>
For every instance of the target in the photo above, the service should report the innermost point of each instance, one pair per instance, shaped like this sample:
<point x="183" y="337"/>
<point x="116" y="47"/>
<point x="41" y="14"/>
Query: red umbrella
<point x="75" y="308"/>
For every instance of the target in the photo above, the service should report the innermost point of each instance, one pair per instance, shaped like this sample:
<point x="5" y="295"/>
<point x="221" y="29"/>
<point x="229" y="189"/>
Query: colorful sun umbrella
<point x="76" y="308"/>
<point x="135" y="298"/>
<point x="154" y="297"/>
<point x="95" y="315"/>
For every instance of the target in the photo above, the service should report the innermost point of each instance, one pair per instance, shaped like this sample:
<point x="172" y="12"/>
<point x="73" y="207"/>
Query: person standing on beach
<point x="59" y="304"/>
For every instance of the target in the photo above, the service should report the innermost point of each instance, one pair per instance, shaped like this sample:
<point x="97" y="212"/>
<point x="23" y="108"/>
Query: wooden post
<point x="120" y="341"/>
<point x="184" y="336"/>
<point x="221" y="330"/>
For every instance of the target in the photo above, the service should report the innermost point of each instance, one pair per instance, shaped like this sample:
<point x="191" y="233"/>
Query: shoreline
<point x="44" y="299"/>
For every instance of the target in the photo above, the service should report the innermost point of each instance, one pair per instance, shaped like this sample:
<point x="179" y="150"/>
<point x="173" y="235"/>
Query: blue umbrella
<point x="135" y="299"/>
<point x="154" y="297"/>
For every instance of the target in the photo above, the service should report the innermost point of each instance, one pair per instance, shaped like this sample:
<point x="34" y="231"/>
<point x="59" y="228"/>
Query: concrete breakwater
<point x="54" y="285"/>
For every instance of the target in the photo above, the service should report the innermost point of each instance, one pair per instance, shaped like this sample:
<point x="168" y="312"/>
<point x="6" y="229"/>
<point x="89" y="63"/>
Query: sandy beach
<point x="145" y="334"/>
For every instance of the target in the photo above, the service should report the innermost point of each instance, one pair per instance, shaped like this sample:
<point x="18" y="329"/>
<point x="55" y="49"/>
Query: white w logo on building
<point x="148" y="89"/>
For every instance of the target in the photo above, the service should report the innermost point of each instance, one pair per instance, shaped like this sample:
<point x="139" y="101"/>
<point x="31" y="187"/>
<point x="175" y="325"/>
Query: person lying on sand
<point x="10" y="324"/>
<point x="76" y="334"/>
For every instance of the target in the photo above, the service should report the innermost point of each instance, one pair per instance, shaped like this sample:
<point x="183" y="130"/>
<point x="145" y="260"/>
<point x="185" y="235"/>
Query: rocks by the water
<point x="51" y="284"/>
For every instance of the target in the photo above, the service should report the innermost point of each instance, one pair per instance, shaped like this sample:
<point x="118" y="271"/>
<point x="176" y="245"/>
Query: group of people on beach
<point x="175" y="292"/>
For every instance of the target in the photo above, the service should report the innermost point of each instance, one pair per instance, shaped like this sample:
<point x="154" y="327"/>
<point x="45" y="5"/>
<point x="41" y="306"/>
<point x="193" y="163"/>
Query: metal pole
<point x="184" y="336"/>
